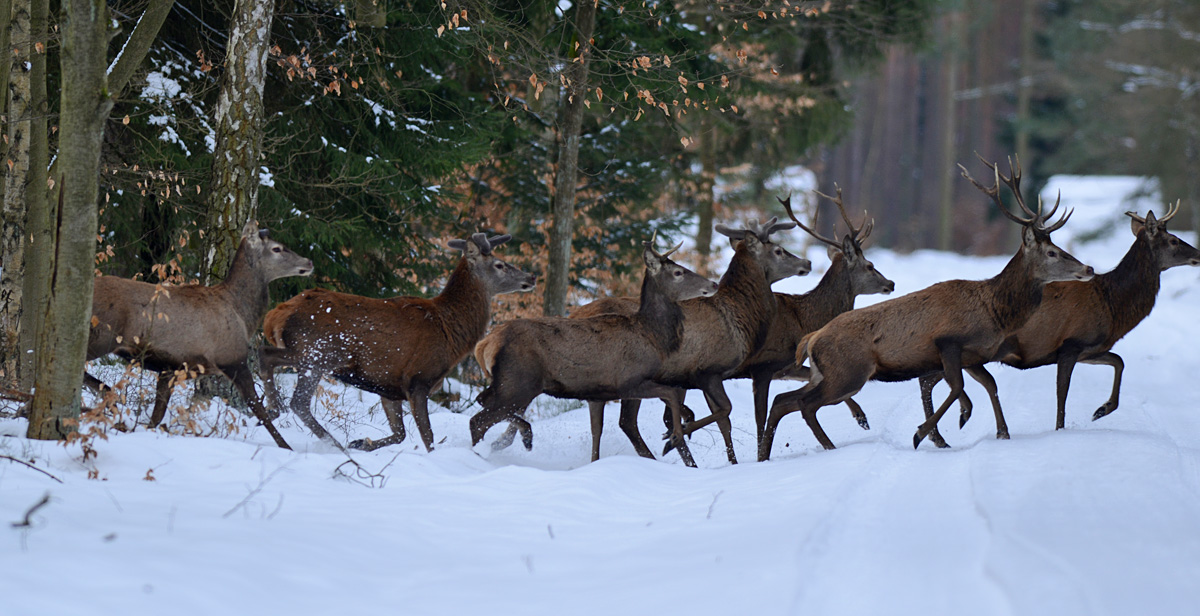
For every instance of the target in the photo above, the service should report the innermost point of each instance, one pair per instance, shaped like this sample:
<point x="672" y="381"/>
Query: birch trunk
<point x="85" y="103"/>
<point x="562" y="231"/>
<point x="24" y="181"/>
<point x="239" y="119"/>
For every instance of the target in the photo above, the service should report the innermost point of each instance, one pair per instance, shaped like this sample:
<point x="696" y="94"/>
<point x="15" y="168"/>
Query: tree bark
<point x="84" y="107"/>
<point x="137" y="45"/>
<point x="239" y="118"/>
<point x="562" y="231"/>
<point x="6" y="47"/>
<point x="37" y="224"/>
<point x="952" y="65"/>
<point x="706" y="197"/>
<point x="24" y="182"/>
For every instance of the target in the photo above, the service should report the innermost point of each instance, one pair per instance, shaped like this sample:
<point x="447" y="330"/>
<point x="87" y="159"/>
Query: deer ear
<point x="1151" y="223"/>
<point x="848" y="247"/>
<point x="653" y="262"/>
<point x="1135" y="225"/>
<point x="833" y="251"/>
<point x="457" y="245"/>
<point x="1028" y="237"/>
<point x="251" y="229"/>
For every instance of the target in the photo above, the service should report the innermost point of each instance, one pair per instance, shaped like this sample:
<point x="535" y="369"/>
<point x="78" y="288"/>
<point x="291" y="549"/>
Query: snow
<point x="1099" y="518"/>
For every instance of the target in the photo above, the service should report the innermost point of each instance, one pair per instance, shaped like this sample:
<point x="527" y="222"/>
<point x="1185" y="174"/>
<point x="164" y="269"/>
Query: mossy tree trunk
<point x="85" y="103"/>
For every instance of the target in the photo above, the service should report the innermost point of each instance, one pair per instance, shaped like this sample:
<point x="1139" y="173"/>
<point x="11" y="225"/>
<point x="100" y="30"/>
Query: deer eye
<point x="1174" y="242"/>
<point x="276" y="249"/>
<point x="678" y="273"/>
<point x="1051" y="254"/>
<point x="778" y="251"/>
<point x="499" y="266"/>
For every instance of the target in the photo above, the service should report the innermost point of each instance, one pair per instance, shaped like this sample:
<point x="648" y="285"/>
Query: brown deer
<point x="193" y="328"/>
<point x="851" y="274"/>
<point x="722" y="330"/>
<point x="399" y="348"/>
<point x="941" y="328"/>
<point x="1081" y="321"/>
<point x="603" y="357"/>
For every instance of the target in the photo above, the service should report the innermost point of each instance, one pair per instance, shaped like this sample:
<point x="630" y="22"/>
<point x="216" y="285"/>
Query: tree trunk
<point x="558" y="274"/>
<point x="706" y="199"/>
<point x="370" y="13"/>
<point x="85" y="103"/>
<point x="37" y="223"/>
<point x="239" y="118"/>
<point x="137" y="45"/>
<point x="952" y="65"/>
<point x="24" y="182"/>
<point x="6" y="46"/>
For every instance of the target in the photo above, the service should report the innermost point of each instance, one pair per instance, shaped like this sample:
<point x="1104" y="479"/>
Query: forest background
<point x="365" y="134"/>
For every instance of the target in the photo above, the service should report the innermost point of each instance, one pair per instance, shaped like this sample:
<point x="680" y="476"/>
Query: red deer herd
<point x="683" y="331"/>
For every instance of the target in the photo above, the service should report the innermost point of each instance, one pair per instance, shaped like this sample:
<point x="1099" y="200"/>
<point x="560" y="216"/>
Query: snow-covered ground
<point x="1100" y="518"/>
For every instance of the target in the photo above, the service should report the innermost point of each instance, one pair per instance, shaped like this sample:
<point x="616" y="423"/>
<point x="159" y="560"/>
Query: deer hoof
<point x="1102" y="411"/>
<point x="963" y="418"/>
<point x="1003" y="436"/>
<point x="862" y="423"/>
<point x="917" y="438"/>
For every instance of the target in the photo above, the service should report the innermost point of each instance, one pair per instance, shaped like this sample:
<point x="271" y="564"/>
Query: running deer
<point x="399" y="348"/>
<point x="1081" y="321"/>
<point x="193" y="328"/>
<point x="599" y="358"/>
<point x="941" y="328"/>
<point x="722" y="330"/>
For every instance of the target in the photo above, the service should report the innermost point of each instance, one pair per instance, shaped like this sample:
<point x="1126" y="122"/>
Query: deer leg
<point x="762" y="390"/>
<point x="1118" y="365"/>
<point x="596" y="415"/>
<point x="306" y="386"/>
<point x="162" y="396"/>
<point x="857" y="413"/>
<point x="418" y="399"/>
<point x="628" y="424"/>
<point x="928" y="382"/>
<point x="720" y="407"/>
<point x="677" y="439"/>
<point x="983" y="377"/>
<point x="686" y="414"/>
<point x="505" y="399"/>
<point x="784" y="404"/>
<point x="1067" y="357"/>
<point x="952" y="372"/>
<point x="269" y="359"/>
<point x="240" y="375"/>
<point x="395" y="416"/>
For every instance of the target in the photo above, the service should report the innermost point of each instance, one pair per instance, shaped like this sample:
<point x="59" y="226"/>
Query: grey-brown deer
<point x="722" y="330"/>
<point x="193" y="328"/>
<point x="399" y="348"/>
<point x="940" y="328"/>
<point x="1079" y="322"/>
<point x="603" y="357"/>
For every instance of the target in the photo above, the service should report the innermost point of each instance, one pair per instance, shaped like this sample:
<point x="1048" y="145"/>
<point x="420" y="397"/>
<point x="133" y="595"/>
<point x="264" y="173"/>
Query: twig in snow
<point x="255" y="491"/>
<point x="713" y="504"/>
<point x="19" y="461"/>
<point x="26" y="523"/>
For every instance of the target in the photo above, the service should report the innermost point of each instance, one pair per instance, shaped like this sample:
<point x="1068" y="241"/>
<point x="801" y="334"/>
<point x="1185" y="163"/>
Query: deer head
<point x="775" y="261"/>
<point x="270" y="258"/>
<point x="1168" y="250"/>
<point x="1047" y="262"/>
<point x="496" y="275"/>
<point x="676" y="282"/>
<point x="864" y="278"/>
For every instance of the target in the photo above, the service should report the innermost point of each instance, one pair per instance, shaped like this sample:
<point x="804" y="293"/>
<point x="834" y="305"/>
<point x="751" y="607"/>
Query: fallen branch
<point x="15" y="395"/>
<point x="19" y="461"/>
<point x="26" y="523"/>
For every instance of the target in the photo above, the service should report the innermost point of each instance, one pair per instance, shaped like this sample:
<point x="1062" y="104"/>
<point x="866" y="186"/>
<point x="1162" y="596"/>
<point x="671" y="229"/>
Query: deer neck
<point x="1015" y="293"/>
<point x="662" y="317"/>
<point x="744" y="297"/>
<point x="832" y="295"/>
<point x="1131" y="288"/>
<point x="247" y="288"/>
<point x="464" y="304"/>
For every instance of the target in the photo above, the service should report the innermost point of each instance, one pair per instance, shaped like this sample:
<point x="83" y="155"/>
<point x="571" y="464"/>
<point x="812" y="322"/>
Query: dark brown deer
<point x="603" y="357"/>
<point x="850" y="274"/>
<point x="1081" y="321"/>
<point x="941" y="328"/>
<point x="399" y="348"/>
<point x="193" y="328"/>
<point x="722" y="330"/>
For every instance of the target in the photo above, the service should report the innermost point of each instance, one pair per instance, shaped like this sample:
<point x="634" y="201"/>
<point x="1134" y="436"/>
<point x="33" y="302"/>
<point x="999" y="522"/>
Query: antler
<point x="1172" y="210"/>
<point x="1036" y="220"/>
<point x="650" y="246"/>
<point x="787" y="206"/>
<point x="855" y="232"/>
